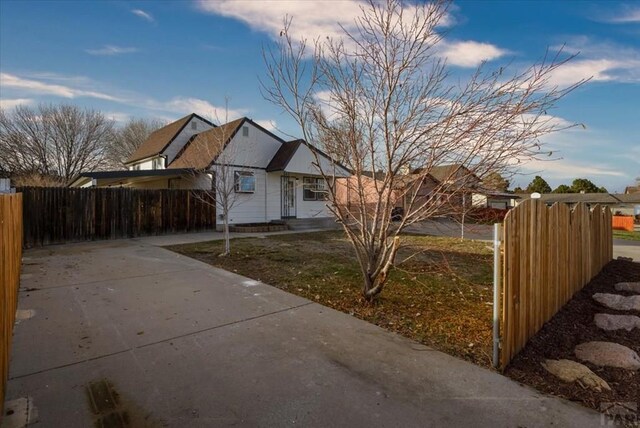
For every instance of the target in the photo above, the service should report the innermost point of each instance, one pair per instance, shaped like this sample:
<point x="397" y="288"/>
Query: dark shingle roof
<point x="631" y="198"/>
<point x="203" y="148"/>
<point x="443" y="173"/>
<point x="161" y="138"/>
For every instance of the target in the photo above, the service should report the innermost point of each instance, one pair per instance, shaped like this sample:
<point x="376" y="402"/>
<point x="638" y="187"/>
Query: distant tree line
<point x="50" y="144"/>
<point x="579" y="185"/>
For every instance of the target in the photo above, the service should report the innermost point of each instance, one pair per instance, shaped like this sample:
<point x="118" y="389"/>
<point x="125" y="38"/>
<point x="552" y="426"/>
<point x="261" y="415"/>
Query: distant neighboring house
<point x="353" y="191"/>
<point x="626" y="204"/>
<point x="631" y="189"/>
<point x="453" y="184"/>
<point x="469" y="189"/>
<point x="276" y="179"/>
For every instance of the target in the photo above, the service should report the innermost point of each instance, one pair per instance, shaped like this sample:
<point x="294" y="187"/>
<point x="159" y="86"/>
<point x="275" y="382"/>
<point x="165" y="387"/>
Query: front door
<point x="288" y="192"/>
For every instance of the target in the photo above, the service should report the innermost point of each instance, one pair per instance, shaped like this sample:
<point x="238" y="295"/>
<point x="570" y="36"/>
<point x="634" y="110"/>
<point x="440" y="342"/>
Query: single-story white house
<point x="274" y="179"/>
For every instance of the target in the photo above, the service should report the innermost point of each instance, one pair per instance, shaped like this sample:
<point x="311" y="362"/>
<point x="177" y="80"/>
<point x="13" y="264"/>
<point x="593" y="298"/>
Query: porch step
<point x="309" y="223"/>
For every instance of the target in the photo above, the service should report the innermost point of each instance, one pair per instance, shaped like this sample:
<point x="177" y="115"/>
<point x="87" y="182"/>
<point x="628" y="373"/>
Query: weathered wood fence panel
<point x="549" y="253"/>
<point x="59" y="215"/>
<point x="10" y="261"/>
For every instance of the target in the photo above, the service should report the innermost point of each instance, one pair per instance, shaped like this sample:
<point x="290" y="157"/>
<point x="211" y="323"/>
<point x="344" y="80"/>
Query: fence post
<point x="497" y="281"/>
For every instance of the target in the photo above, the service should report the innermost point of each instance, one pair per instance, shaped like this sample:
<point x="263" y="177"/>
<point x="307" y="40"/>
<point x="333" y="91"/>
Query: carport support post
<point x="497" y="269"/>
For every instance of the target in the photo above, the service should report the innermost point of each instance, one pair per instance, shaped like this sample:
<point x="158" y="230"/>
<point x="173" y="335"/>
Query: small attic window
<point x="245" y="131"/>
<point x="194" y="125"/>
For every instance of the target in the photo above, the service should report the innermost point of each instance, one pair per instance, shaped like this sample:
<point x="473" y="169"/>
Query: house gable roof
<point x="160" y="139"/>
<point x="203" y="148"/>
<point x="282" y="157"/>
<point x="444" y="173"/>
<point x="288" y="150"/>
<point x="632" y="189"/>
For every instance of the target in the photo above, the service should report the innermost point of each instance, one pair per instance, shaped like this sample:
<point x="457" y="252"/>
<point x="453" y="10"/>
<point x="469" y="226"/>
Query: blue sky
<point x="165" y="59"/>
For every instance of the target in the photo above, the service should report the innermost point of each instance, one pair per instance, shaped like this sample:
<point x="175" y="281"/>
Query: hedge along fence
<point x="10" y="261"/>
<point x="55" y="215"/>
<point x="549" y="253"/>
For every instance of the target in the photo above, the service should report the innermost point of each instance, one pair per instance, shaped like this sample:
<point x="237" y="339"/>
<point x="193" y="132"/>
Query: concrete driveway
<point x="124" y="331"/>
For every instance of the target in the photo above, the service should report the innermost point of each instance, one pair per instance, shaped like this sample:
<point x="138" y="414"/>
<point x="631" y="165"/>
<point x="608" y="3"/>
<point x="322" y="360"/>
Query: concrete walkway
<point x="180" y="343"/>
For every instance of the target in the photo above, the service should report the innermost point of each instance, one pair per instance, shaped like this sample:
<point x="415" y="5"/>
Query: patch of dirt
<point x="574" y="325"/>
<point x="110" y="411"/>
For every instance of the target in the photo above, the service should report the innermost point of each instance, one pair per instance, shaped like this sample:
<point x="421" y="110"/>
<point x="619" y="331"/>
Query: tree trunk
<point x="227" y="243"/>
<point x="375" y="281"/>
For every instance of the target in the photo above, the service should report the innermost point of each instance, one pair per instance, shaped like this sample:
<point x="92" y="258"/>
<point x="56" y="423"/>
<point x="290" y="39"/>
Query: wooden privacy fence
<point x="549" y="253"/>
<point x="10" y="261"/>
<point x="58" y="215"/>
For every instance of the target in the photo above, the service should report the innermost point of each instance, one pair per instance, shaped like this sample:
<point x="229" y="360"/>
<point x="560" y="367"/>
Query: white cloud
<point x="117" y="116"/>
<point x="598" y="70"/>
<point x="42" y="87"/>
<point x="142" y="14"/>
<point x="110" y="50"/>
<point x="547" y="121"/>
<point x="196" y="105"/>
<point x="627" y="15"/>
<point x="269" y="125"/>
<point x="311" y="19"/>
<point x="598" y="61"/>
<point x="320" y="19"/>
<point x="470" y="53"/>
<point x="9" y="104"/>
<point x="566" y="169"/>
<point x="49" y="84"/>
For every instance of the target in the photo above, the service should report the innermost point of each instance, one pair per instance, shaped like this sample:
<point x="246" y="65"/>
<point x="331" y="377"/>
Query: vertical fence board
<point x="59" y="215"/>
<point x="10" y="261"/>
<point x="550" y="253"/>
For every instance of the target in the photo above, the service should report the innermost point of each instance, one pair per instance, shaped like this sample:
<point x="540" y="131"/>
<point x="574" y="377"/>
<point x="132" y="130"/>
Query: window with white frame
<point x="314" y="189"/>
<point x="245" y="131"/>
<point x="245" y="182"/>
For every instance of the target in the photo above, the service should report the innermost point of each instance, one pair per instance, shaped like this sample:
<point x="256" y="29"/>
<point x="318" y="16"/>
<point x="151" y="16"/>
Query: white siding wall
<point x="181" y="139"/>
<point x="249" y="207"/>
<point x="147" y="164"/>
<point x="479" y="200"/>
<point x="309" y="209"/>
<point x="274" y="203"/>
<point x="256" y="150"/>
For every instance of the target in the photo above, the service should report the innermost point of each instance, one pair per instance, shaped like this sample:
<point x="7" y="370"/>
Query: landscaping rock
<point x="618" y="302"/>
<point x="633" y="287"/>
<point x="571" y="371"/>
<point x="617" y="322"/>
<point x="608" y="354"/>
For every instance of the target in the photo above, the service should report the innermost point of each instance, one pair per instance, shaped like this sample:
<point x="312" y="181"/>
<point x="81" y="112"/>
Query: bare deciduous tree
<point x="212" y="157"/>
<point x="382" y="102"/>
<point x="54" y="141"/>
<point x="126" y="139"/>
